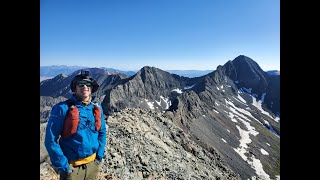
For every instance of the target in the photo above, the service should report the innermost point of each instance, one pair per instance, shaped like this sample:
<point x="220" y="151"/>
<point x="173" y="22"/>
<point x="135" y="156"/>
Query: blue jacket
<point x="84" y="143"/>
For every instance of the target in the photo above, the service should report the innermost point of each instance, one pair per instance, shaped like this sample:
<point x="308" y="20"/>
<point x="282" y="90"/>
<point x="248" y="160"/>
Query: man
<point x="76" y="132"/>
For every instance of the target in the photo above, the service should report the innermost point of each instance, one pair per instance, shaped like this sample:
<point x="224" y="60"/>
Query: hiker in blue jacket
<point x="76" y="132"/>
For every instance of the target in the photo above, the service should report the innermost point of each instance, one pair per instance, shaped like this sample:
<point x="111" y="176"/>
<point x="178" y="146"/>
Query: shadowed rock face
<point x="247" y="72"/>
<point x="148" y="84"/>
<point x="46" y="103"/>
<point x="219" y="114"/>
<point x="229" y="115"/>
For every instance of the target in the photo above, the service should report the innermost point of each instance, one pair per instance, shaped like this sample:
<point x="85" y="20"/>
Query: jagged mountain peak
<point x="151" y="70"/>
<point x="150" y="88"/>
<point x="243" y="58"/>
<point x="247" y="73"/>
<point x="247" y="63"/>
<point x="148" y="67"/>
<point x="155" y="76"/>
<point x="242" y="68"/>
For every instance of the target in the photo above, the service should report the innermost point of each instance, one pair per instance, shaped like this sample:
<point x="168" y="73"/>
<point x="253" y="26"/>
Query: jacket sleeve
<point x="53" y="131"/>
<point x="102" y="137"/>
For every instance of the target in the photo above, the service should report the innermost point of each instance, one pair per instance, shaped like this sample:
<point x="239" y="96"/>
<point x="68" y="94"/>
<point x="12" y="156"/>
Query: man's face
<point x="83" y="89"/>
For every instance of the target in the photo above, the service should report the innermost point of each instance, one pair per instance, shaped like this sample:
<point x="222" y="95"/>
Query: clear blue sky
<point x="167" y="34"/>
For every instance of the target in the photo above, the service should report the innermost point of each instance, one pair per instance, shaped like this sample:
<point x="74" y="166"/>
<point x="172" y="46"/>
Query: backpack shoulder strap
<point x="71" y="121"/>
<point x="97" y="115"/>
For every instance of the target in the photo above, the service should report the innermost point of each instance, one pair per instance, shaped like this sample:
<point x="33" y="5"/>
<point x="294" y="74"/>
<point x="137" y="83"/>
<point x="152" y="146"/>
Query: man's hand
<point x="98" y="162"/>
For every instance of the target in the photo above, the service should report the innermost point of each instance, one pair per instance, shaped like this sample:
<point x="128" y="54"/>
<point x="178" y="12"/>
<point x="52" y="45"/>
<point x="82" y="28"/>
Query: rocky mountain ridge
<point x="234" y="110"/>
<point x="142" y="144"/>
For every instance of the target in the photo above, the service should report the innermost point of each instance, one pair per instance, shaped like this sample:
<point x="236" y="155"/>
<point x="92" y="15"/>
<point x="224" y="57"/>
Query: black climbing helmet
<point x="84" y="76"/>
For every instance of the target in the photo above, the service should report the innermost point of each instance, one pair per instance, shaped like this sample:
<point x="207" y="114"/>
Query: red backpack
<point x="71" y="122"/>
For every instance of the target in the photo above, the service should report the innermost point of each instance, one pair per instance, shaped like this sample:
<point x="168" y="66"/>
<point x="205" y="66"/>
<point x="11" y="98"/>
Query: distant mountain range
<point x="48" y="72"/>
<point x="224" y="124"/>
<point x="274" y="72"/>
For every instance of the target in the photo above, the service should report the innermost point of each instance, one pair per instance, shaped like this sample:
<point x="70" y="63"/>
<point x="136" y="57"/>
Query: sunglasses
<point x="81" y="84"/>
